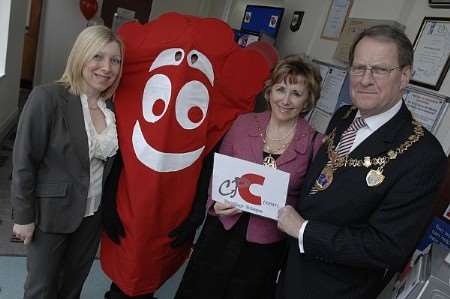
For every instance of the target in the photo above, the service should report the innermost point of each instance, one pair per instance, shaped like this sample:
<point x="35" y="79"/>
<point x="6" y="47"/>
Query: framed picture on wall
<point x="337" y="15"/>
<point x="431" y="53"/>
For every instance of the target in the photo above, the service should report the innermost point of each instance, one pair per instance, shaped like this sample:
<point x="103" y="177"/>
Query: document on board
<point x="336" y="18"/>
<point x="431" y="52"/>
<point x="323" y="69"/>
<point x="319" y="120"/>
<point x="331" y="88"/>
<point x="251" y="187"/>
<point x="425" y="107"/>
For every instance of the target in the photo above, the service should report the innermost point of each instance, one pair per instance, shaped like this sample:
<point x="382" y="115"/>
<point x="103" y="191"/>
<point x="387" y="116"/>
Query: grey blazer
<point x="50" y="179"/>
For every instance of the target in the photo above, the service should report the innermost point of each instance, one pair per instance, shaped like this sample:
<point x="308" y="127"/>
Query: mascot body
<point x="184" y="82"/>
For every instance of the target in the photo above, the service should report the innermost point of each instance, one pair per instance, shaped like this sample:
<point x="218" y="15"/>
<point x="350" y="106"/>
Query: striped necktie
<point x="346" y="142"/>
<point x="348" y="137"/>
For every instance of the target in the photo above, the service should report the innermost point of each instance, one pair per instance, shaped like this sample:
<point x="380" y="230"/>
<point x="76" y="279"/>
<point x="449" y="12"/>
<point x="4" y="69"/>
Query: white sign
<point x="250" y="187"/>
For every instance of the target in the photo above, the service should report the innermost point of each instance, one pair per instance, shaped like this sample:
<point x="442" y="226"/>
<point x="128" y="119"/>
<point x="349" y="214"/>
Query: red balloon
<point x="88" y="8"/>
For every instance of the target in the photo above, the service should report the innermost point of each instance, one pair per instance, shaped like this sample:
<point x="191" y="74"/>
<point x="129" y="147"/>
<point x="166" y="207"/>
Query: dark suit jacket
<point x="51" y="161"/>
<point x="355" y="232"/>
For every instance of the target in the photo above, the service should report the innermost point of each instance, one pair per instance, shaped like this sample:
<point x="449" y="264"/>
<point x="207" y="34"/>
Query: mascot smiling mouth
<point x="160" y="161"/>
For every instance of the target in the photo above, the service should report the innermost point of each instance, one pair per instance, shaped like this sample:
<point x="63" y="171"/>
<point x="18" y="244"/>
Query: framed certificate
<point x="337" y="14"/>
<point x="431" y="53"/>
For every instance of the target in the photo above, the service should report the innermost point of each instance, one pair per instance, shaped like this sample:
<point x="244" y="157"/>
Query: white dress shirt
<point x="373" y="123"/>
<point x="101" y="146"/>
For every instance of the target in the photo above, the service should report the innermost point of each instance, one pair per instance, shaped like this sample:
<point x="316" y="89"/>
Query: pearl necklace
<point x="291" y="129"/>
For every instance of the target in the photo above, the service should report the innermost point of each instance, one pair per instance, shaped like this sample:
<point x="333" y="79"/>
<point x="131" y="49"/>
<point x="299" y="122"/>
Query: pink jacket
<point x="244" y="141"/>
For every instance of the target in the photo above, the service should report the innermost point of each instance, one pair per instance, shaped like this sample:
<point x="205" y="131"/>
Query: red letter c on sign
<point x="244" y="187"/>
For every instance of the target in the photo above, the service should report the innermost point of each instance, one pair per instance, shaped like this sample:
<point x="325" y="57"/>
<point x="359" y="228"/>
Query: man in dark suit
<point x="370" y="190"/>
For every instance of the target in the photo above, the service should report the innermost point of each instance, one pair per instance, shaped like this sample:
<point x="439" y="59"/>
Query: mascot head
<point x="184" y="81"/>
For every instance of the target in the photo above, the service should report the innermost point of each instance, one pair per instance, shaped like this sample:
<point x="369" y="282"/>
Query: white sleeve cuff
<point x="300" y="236"/>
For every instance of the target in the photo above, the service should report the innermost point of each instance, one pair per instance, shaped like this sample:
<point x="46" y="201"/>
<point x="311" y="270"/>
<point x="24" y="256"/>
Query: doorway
<point x="30" y="43"/>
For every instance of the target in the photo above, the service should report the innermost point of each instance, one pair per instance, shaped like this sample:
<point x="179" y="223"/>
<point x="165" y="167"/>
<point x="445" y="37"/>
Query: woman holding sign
<point x="238" y="254"/>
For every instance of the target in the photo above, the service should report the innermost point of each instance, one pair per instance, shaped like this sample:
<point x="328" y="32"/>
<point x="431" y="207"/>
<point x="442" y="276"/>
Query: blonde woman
<point x="65" y="140"/>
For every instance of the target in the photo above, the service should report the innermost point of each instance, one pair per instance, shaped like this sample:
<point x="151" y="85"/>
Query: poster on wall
<point x="332" y="95"/>
<point x="337" y="14"/>
<point x="431" y="53"/>
<point x="352" y="28"/>
<point x="333" y="78"/>
<point x="427" y="107"/>
<point x="319" y="120"/>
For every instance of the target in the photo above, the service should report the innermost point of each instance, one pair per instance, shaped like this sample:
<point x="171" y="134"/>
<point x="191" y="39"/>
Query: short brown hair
<point x="88" y="43"/>
<point x="388" y="33"/>
<point x="288" y="69"/>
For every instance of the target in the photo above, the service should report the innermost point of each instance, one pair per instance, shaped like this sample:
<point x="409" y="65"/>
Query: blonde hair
<point x="287" y="70"/>
<point x="88" y="43"/>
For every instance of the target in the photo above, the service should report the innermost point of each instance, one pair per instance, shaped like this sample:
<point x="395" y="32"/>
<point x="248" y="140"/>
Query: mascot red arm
<point x="184" y="82"/>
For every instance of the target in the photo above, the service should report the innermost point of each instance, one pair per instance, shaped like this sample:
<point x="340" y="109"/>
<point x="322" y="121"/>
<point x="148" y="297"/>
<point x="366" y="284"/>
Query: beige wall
<point x="61" y="21"/>
<point x="9" y="84"/>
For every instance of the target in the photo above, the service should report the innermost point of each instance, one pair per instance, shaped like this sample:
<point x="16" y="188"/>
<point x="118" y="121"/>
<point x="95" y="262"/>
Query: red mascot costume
<point x="184" y="82"/>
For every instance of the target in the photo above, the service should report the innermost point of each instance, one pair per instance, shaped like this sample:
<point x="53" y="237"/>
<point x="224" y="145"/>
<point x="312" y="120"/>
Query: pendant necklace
<point x="269" y="160"/>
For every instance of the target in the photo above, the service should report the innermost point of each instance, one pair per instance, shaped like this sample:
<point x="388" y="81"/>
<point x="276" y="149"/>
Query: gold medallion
<point x="325" y="178"/>
<point x="374" y="178"/>
<point x="269" y="161"/>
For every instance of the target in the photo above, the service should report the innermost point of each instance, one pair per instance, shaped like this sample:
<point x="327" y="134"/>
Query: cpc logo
<point x="243" y="185"/>
<point x="191" y="106"/>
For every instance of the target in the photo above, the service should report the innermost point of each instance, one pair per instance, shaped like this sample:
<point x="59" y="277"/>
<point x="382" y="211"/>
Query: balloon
<point x="88" y="8"/>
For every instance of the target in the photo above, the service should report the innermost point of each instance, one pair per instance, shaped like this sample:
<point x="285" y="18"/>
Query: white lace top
<point x="101" y="146"/>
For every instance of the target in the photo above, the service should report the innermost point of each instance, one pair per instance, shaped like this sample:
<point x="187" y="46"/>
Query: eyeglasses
<point x="378" y="71"/>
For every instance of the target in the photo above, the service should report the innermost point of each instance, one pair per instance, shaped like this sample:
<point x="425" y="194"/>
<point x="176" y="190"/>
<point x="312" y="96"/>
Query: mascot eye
<point x="192" y="105"/>
<point x="172" y="56"/>
<point x="199" y="61"/>
<point x="156" y="97"/>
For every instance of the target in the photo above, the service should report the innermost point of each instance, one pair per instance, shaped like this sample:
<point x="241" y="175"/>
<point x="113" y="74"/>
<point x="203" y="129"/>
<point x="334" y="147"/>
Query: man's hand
<point x="289" y="221"/>
<point x="24" y="232"/>
<point x="224" y="209"/>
